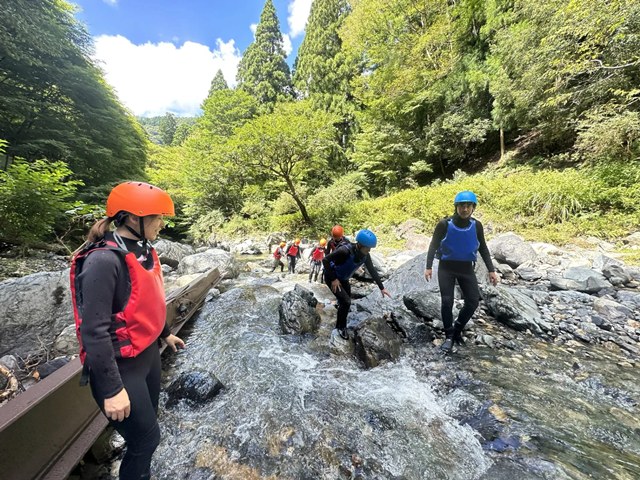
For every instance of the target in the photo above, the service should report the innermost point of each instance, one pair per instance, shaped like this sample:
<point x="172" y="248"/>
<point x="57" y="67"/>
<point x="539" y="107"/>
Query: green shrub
<point x="33" y="196"/>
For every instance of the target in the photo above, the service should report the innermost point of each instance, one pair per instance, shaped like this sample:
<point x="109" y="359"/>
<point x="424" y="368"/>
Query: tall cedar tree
<point x="263" y="71"/>
<point x="218" y="83"/>
<point x="55" y="103"/>
<point x="321" y="71"/>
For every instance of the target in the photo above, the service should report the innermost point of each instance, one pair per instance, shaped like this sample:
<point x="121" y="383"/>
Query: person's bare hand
<point x="335" y="286"/>
<point x="384" y="292"/>
<point x="494" y="278"/>
<point x="118" y="407"/>
<point x="174" y="342"/>
<point x="428" y="273"/>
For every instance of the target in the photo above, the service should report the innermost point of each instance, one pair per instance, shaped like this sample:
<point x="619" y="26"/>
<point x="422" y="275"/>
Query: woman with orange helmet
<point x="293" y="254"/>
<point x="278" y="253"/>
<point x="120" y="312"/>
<point x="315" y="260"/>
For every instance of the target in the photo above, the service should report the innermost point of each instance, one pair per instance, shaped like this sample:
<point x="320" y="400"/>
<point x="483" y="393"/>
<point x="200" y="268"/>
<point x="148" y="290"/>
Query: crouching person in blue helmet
<point x="456" y="242"/>
<point x="339" y="267"/>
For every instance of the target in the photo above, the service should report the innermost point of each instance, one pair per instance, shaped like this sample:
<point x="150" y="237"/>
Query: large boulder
<point x="376" y="341"/>
<point x="511" y="249"/>
<point x="298" y="312"/>
<point x="36" y="308"/>
<point x="514" y="309"/>
<point x="208" y="259"/>
<point x="581" y="279"/>
<point x="196" y="388"/>
<point x="170" y="253"/>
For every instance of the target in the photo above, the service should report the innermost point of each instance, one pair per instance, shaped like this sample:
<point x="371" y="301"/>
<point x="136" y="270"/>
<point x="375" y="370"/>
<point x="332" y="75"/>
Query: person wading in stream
<point x="278" y="253"/>
<point x="456" y="242"/>
<point x="293" y="254"/>
<point x="120" y="314"/>
<point x="340" y="266"/>
<point x="316" y="260"/>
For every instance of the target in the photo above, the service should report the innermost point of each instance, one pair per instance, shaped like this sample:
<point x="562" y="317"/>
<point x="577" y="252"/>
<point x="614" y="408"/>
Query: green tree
<point x="284" y="151"/>
<point x="218" y="83"/>
<point x="55" y="102"/>
<point x="33" y="196"/>
<point x="167" y="127"/>
<point x="263" y="70"/>
<point x="322" y="71"/>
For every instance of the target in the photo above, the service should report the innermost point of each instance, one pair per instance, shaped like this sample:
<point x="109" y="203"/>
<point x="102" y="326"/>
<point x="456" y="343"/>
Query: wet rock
<point x="298" y="312"/>
<point x="10" y="362"/>
<point x="197" y="388"/>
<point x="208" y="259"/>
<point x="424" y="303"/>
<point x="376" y="341"/>
<point x="610" y="309"/>
<point x="48" y="368"/>
<point x="514" y="309"/>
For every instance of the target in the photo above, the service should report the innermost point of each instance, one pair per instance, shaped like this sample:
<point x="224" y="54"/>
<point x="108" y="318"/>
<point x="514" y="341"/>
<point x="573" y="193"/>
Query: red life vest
<point x="293" y="250"/>
<point x="143" y="318"/>
<point x="318" y="254"/>
<point x="278" y="253"/>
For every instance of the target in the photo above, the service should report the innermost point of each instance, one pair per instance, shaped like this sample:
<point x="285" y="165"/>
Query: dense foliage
<point x="389" y="102"/>
<point x="55" y="104"/>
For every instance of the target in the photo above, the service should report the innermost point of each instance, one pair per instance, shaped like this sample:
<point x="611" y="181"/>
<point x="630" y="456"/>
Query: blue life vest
<point x="345" y="270"/>
<point x="460" y="244"/>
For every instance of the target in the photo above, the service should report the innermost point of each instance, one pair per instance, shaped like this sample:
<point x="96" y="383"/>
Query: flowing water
<point x="297" y="408"/>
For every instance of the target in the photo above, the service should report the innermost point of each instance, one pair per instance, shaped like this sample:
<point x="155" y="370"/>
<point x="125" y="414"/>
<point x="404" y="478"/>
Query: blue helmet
<point x="367" y="238"/>
<point x="465" y="196"/>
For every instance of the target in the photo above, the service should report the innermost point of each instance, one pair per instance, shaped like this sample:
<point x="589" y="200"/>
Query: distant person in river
<point x="278" y="254"/>
<point x="293" y="254"/>
<point x="120" y="315"/>
<point x="315" y="260"/>
<point x="340" y="266"/>
<point x="337" y="238"/>
<point x="456" y="242"/>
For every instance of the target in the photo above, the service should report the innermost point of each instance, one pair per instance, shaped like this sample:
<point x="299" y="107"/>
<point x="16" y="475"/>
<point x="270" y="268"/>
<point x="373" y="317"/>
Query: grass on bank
<point x="555" y="206"/>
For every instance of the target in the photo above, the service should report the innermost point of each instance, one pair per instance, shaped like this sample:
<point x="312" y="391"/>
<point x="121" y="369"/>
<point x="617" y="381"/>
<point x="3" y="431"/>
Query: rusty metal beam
<point x="46" y="430"/>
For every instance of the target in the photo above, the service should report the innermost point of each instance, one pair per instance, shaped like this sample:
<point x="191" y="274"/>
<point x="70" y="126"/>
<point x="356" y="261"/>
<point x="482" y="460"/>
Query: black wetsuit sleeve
<point x="438" y="235"/>
<point x="373" y="272"/>
<point x="338" y="257"/>
<point x="483" y="249"/>
<point x="99" y="282"/>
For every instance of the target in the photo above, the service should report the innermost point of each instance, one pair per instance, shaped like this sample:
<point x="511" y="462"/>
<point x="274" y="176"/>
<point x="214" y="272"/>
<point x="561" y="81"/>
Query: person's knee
<point x="472" y="303"/>
<point x="447" y="301"/>
<point x="147" y="442"/>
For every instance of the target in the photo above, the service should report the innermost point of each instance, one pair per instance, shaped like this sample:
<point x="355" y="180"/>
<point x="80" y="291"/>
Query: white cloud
<point x="286" y="43"/>
<point x="152" y="79"/>
<point x="298" y="14"/>
<point x="253" y="27"/>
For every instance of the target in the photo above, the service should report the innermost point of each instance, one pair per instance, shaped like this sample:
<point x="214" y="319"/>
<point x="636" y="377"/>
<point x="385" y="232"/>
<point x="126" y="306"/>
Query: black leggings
<point x="141" y="378"/>
<point x="344" y="302"/>
<point x="448" y="273"/>
<point x="292" y="264"/>
<point x="316" y="267"/>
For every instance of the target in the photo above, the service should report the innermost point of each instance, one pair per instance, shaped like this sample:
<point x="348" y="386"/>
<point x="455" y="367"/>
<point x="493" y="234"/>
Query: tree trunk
<point x="501" y="143"/>
<point x="298" y="200"/>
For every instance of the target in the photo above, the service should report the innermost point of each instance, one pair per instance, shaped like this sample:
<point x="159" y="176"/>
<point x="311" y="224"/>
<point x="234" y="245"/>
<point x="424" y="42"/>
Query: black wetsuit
<point x="105" y="286"/>
<point x="463" y="271"/>
<point x="338" y="257"/>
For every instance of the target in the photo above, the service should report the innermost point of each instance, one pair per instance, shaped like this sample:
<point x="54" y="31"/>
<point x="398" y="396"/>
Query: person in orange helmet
<point x="336" y="239"/>
<point x="293" y="254"/>
<point x="317" y="254"/>
<point x="120" y="313"/>
<point x="278" y="253"/>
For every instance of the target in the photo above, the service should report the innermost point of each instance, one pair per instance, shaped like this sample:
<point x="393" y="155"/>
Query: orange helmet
<point x="140" y="199"/>
<point x="323" y="242"/>
<point x="337" y="232"/>
<point x="282" y="244"/>
<point x="297" y="242"/>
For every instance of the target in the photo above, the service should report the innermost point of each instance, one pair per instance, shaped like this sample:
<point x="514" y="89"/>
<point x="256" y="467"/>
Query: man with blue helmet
<point x="339" y="267"/>
<point x="456" y="242"/>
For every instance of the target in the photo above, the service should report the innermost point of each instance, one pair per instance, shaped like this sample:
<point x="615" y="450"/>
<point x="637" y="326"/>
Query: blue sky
<point x="160" y="55"/>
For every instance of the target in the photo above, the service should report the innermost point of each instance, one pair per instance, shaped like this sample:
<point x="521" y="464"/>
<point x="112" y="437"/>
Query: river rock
<point x="298" y="312"/>
<point x="514" y="309"/>
<point x="511" y="249"/>
<point x="376" y="341"/>
<point x="170" y="253"/>
<point x="208" y="259"/>
<point x="197" y="388"/>
<point x="580" y="279"/>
